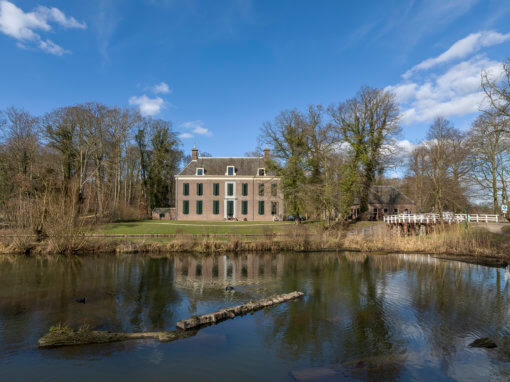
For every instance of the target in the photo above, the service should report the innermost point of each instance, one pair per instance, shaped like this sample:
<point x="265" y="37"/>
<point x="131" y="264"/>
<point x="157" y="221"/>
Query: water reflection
<point x="364" y="316"/>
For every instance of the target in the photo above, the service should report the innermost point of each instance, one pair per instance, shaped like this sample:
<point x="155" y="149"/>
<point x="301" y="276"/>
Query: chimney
<point x="267" y="156"/>
<point x="194" y="153"/>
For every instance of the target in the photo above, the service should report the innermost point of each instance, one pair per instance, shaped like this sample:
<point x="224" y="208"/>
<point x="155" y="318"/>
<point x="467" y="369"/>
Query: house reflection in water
<point x="229" y="270"/>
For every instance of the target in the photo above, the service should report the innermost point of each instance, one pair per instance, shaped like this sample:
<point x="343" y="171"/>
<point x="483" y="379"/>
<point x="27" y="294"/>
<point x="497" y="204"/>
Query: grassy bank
<point x="185" y="237"/>
<point x="474" y="244"/>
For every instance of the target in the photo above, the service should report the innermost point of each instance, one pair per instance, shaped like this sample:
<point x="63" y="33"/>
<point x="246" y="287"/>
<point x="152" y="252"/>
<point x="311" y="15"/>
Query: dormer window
<point x="200" y="171"/>
<point x="231" y="170"/>
<point x="261" y="172"/>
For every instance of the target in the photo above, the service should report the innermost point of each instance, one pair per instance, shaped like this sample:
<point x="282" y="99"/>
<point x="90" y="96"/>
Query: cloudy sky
<point x="219" y="69"/>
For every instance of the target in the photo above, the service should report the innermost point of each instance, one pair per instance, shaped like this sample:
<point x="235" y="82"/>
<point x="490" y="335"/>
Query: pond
<point x="364" y="317"/>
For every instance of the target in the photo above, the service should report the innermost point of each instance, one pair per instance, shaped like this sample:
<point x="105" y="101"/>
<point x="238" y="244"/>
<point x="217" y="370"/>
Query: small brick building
<point x="384" y="200"/>
<point x="228" y="188"/>
<point x="163" y="214"/>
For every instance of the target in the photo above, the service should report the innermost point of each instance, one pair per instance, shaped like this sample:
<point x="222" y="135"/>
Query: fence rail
<point x="435" y="218"/>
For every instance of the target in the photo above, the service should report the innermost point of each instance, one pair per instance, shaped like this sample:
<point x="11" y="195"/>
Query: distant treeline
<point x="103" y="163"/>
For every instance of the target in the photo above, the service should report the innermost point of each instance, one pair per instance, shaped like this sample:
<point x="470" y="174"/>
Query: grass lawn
<point x="193" y="227"/>
<point x="362" y="224"/>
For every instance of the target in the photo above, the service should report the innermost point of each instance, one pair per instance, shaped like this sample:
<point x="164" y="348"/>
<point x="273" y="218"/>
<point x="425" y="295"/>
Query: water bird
<point x="229" y="288"/>
<point x="81" y="300"/>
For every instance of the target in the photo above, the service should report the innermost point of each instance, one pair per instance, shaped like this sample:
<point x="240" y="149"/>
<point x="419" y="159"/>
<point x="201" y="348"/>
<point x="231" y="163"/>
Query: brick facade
<point x="383" y="201"/>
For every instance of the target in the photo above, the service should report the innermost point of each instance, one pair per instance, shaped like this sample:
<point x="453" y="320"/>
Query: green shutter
<point x="261" y="207"/>
<point x="216" y="207"/>
<point x="200" y="189"/>
<point x="216" y="189"/>
<point x="199" y="207"/>
<point x="244" y="207"/>
<point x="245" y="189"/>
<point x="185" y="188"/>
<point x="230" y="189"/>
<point x="185" y="207"/>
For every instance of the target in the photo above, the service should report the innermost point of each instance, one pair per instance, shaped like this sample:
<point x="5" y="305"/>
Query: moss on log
<point x="66" y="337"/>
<point x="239" y="310"/>
<point x="62" y="335"/>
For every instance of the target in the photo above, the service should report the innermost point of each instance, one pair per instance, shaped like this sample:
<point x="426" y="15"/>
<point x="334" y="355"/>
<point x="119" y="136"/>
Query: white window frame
<point x="234" y="190"/>
<point x="258" y="171"/>
<point x="233" y="171"/>
<point x="203" y="172"/>
<point x="230" y="198"/>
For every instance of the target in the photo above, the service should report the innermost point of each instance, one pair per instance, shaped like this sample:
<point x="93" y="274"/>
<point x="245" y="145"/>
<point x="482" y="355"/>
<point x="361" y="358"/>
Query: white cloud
<point x="185" y="135"/>
<point x="196" y="127"/>
<point x="14" y="22"/>
<point x="201" y="131"/>
<point x="461" y="49"/>
<point x="161" y="88"/>
<point x="404" y="145"/>
<point x="455" y="92"/>
<point x="56" y="15"/>
<point x="148" y="106"/>
<point x="49" y="46"/>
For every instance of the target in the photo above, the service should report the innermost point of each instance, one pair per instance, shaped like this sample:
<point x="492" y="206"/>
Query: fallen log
<point x="67" y="337"/>
<point x="64" y="336"/>
<point x="239" y="310"/>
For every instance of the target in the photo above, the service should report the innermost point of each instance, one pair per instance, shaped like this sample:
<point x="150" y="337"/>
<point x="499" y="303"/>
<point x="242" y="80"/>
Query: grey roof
<point x="161" y="210"/>
<point x="246" y="166"/>
<point x="386" y="195"/>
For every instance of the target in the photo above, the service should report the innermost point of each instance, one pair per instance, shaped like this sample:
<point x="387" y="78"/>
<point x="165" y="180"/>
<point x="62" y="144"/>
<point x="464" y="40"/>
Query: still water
<point x="364" y="317"/>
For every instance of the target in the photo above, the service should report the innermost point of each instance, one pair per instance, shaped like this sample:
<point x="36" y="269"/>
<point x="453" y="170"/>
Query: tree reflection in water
<point x="364" y="316"/>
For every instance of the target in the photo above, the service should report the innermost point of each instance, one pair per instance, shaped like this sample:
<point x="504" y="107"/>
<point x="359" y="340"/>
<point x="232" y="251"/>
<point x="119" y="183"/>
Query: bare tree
<point x="446" y="166"/>
<point x="497" y="90"/>
<point x="489" y="146"/>
<point x="417" y="175"/>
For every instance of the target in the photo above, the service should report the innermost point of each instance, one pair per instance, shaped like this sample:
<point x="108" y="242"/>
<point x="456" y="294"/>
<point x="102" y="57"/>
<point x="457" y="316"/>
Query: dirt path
<point x="495" y="228"/>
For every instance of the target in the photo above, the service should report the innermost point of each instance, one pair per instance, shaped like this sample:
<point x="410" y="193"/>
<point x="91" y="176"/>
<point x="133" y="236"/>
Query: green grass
<point x="362" y="224"/>
<point x="193" y="227"/>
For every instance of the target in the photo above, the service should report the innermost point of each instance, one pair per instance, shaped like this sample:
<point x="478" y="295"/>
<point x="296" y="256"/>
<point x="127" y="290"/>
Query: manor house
<point x="228" y="188"/>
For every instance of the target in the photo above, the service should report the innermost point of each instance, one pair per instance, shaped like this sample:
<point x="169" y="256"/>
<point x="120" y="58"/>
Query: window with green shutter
<point x="261" y="207"/>
<point x="274" y="189"/>
<point x="245" y="189"/>
<point x="200" y="189"/>
<point x="244" y="207"/>
<point x="216" y="189"/>
<point x="199" y="207"/>
<point x="185" y="207"/>
<point x="230" y="189"/>
<point x="216" y="207"/>
<point x="261" y="189"/>
<point x="185" y="188"/>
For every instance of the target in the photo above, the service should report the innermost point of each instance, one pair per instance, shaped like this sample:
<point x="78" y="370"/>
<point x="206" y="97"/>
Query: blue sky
<point x="219" y="69"/>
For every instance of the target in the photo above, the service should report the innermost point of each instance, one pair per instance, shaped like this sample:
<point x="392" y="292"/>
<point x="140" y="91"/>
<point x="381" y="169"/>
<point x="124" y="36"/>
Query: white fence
<point x="448" y="217"/>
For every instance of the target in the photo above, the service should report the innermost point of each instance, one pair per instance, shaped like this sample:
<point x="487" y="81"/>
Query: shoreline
<point x="207" y="247"/>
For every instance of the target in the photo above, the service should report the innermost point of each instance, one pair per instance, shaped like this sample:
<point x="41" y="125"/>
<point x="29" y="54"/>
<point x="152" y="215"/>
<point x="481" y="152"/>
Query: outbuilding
<point x="382" y="201"/>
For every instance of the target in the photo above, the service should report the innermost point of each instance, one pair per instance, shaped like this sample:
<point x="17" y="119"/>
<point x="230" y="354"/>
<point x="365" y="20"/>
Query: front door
<point x="230" y="209"/>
